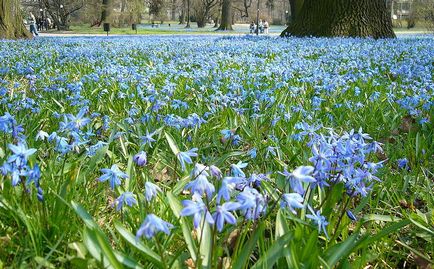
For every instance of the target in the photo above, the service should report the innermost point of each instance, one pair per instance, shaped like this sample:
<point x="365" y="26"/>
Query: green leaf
<point x="176" y="207"/>
<point x="43" y="262"/>
<point x="205" y="248"/>
<point x="127" y="261"/>
<point x="281" y="225"/>
<point x="172" y="143"/>
<point x="88" y="220"/>
<point x="384" y="232"/>
<point x="145" y="250"/>
<point x="100" y="249"/>
<point x="341" y="250"/>
<point x="242" y="260"/>
<point x="275" y="252"/>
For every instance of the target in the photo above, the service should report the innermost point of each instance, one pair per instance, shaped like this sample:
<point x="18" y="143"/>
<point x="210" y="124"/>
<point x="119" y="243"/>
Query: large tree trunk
<point x="354" y="18"/>
<point x="226" y="21"/>
<point x="11" y="22"/>
<point x="295" y="6"/>
<point x="106" y="10"/>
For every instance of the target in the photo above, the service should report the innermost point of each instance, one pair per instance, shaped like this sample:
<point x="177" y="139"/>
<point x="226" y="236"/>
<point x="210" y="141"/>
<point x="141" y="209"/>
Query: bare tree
<point x="203" y="10"/>
<point x="226" y="19"/>
<point x="60" y="10"/>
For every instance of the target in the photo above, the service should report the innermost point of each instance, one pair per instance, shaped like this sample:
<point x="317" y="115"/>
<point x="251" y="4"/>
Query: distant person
<point x="32" y="22"/>
<point x="252" y="27"/>
<point x="261" y="27"/>
<point x="49" y="23"/>
<point x="266" y="26"/>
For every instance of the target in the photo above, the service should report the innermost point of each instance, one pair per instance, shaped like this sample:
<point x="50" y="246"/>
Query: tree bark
<point x="353" y="18"/>
<point x="11" y="22"/>
<point x="106" y="10"/>
<point x="182" y="17"/>
<point x="295" y="6"/>
<point x="226" y="21"/>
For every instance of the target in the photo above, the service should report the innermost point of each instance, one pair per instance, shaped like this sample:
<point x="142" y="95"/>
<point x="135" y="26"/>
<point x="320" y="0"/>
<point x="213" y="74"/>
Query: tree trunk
<point x="11" y="22"/>
<point x="188" y="14"/>
<point x="226" y="21"/>
<point x="354" y="18"/>
<point x="295" y="6"/>
<point x="173" y="11"/>
<point x="106" y="11"/>
<point x="182" y="17"/>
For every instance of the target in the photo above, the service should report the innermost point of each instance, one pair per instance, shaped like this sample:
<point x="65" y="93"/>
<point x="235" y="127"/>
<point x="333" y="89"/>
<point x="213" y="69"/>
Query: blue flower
<point x="201" y="185"/>
<point x="151" y="190"/>
<point x="21" y="153"/>
<point x="148" y="138"/>
<point x="236" y="169"/>
<point x="215" y="171"/>
<point x="252" y="153"/>
<point x="152" y="225"/>
<point x="140" y="158"/>
<point x="292" y="201"/>
<point x="185" y="157"/>
<point x="125" y="198"/>
<point x="403" y="163"/>
<point x="41" y="135"/>
<point x="319" y="220"/>
<point x="113" y="175"/>
<point x="79" y="121"/>
<point x="299" y="175"/>
<point x="223" y="214"/>
<point x="196" y="208"/>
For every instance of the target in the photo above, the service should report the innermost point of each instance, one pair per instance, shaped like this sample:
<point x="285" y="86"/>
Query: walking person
<point x="266" y="26"/>
<point x="32" y="22"/>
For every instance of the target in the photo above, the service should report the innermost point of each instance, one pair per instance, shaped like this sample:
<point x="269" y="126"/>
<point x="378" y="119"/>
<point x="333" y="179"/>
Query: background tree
<point x="11" y="21"/>
<point x="226" y="18"/>
<point x="203" y="9"/>
<point x="157" y="9"/>
<point x="357" y="18"/>
<point x="60" y="10"/>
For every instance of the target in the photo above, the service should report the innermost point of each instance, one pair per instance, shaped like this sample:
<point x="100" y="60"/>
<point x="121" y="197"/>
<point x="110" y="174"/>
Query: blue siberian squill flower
<point x="151" y="190"/>
<point x="292" y="201"/>
<point x="299" y="175"/>
<point x="236" y="169"/>
<point x="201" y="185"/>
<point x="21" y="153"/>
<point x="252" y="153"/>
<point x="185" y="157"/>
<point x="319" y="220"/>
<point x="252" y="203"/>
<point x="148" y="138"/>
<point x="403" y="163"/>
<point x="79" y="121"/>
<point x="351" y="215"/>
<point x="196" y="208"/>
<point x="140" y="158"/>
<point x="271" y="151"/>
<point x="113" y="175"/>
<point x="41" y="135"/>
<point x="126" y="198"/>
<point x="223" y="214"/>
<point x="34" y="175"/>
<point x="152" y="225"/>
<point x="215" y="171"/>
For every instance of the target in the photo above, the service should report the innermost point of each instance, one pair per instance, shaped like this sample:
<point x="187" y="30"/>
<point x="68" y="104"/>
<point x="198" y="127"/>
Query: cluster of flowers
<point x="218" y="200"/>
<point x="17" y="164"/>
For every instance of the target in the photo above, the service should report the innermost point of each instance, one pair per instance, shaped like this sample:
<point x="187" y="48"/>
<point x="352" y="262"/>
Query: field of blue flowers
<point x="216" y="152"/>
